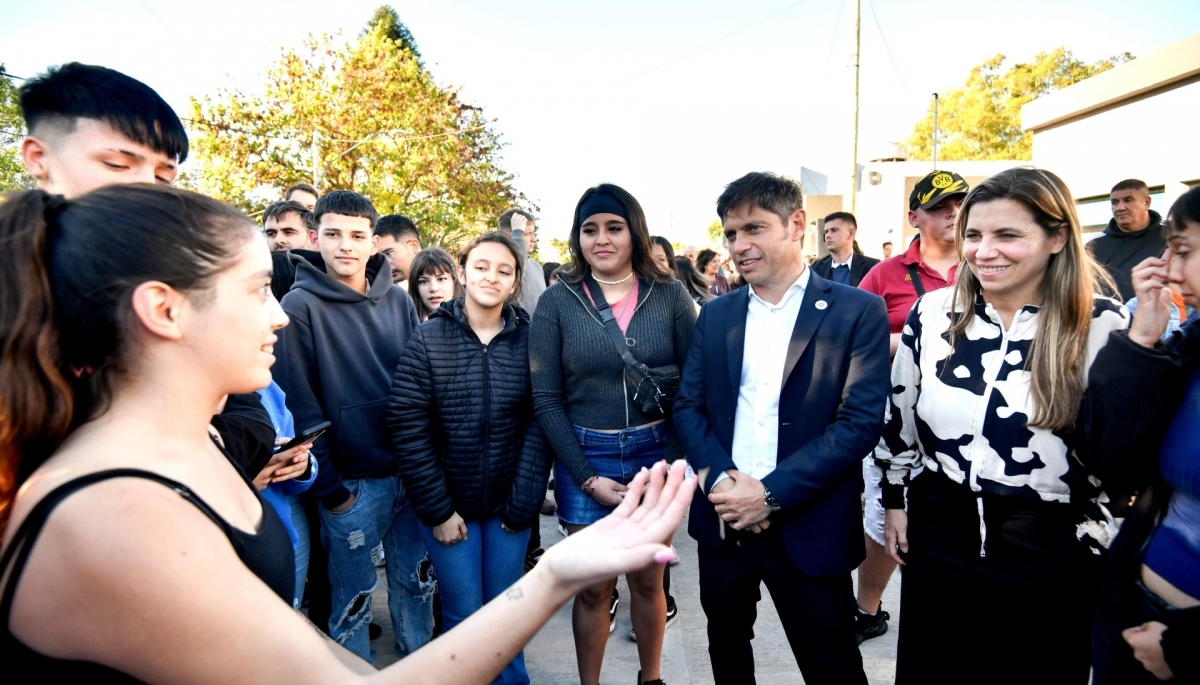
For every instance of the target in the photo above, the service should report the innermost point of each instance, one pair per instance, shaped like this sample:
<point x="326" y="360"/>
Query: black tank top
<point x="268" y="554"/>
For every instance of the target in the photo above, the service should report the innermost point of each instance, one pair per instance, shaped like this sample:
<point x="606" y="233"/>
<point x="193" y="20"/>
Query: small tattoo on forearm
<point x="514" y="593"/>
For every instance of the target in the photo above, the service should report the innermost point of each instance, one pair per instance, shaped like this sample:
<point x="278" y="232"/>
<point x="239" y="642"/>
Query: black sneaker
<point x="867" y="626"/>
<point x="649" y="682"/>
<point x="374" y="631"/>
<point x="672" y="616"/>
<point x="612" y="610"/>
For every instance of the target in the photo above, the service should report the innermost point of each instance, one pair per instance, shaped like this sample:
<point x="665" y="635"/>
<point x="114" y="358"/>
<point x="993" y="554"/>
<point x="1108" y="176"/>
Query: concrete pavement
<point x="550" y="656"/>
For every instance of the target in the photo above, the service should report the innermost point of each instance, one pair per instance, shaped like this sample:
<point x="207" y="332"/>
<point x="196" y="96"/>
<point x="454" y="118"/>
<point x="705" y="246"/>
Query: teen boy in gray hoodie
<point x="349" y="325"/>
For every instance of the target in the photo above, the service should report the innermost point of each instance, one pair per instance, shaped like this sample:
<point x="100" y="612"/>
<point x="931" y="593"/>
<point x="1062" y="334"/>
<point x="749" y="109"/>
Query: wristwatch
<point x="772" y="503"/>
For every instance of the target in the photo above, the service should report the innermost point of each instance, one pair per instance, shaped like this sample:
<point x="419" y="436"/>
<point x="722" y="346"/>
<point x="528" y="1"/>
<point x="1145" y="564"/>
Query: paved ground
<point x="550" y="657"/>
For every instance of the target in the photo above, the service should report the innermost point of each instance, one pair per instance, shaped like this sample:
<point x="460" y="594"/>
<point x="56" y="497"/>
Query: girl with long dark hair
<point x="466" y="443"/>
<point x="132" y="544"/>
<point x="599" y="434"/>
<point x="431" y="280"/>
<point x="1146" y="405"/>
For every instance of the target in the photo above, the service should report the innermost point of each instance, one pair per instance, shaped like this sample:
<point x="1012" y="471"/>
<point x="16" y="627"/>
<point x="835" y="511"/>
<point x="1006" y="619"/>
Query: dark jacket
<point x="335" y="362"/>
<point x="859" y="266"/>
<point x="578" y="375"/>
<point x="1120" y="251"/>
<point x="831" y="403"/>
<point x="460" y="415"/>
<point x="1124" y="438"/>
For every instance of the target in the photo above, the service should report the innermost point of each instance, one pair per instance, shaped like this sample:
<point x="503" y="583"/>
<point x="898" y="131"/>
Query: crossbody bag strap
<point x="614" y="330"/>
<point x="915" y="277"/>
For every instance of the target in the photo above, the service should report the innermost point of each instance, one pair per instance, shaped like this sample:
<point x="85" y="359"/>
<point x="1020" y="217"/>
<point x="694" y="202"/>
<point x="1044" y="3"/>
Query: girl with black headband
<point x="588" y="407"/>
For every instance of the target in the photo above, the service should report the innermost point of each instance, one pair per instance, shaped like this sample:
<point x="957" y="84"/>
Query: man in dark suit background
<point x="845" y="263"/>
<point x="782" y="393"/>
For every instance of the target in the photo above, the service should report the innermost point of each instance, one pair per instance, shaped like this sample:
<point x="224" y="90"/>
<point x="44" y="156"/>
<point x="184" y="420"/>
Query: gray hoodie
<point x="335" y="361"/>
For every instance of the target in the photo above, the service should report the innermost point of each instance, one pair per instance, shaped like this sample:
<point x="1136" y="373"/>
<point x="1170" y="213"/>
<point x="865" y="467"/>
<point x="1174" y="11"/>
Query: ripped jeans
<point x="380" y="514"/>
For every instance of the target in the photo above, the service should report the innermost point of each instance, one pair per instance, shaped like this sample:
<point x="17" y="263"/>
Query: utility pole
<point x="854" y="161"/>
<point x="935" y="129"/>
<point x="315" y="151"/>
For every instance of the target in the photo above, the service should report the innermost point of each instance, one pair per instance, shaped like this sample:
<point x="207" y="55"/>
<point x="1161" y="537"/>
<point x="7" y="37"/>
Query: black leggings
<point x="1022" y="613"/>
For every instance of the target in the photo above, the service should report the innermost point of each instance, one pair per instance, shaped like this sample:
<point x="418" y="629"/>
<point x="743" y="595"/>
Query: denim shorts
<point x="619" y="456"/>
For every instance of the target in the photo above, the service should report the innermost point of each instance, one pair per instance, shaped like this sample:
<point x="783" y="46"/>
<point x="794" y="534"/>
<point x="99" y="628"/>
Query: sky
<point x="669" y="99"/>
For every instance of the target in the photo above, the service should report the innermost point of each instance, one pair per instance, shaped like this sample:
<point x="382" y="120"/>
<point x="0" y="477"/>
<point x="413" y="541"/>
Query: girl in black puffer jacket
<point x="467" y="446"/>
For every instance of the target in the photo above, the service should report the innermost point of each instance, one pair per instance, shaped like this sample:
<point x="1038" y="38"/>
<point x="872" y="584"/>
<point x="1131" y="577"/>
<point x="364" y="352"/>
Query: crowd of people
<point x="215" y="430"/>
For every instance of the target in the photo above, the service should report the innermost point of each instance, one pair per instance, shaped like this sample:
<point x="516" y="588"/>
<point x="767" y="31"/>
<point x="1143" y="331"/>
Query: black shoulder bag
<point x="654" y="389"/>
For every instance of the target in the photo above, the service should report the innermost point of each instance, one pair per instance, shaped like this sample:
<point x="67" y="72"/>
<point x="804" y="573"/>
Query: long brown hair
<point x="431" y="261"/>
<point x="67" y="274"/>
<point x="1069" y="286"/>
<point x="643" y="256"/>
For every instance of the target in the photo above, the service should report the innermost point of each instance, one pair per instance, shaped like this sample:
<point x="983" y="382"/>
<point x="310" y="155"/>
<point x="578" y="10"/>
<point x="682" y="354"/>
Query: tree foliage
<point x="982" y="119"/>
<point x="374" y="121"/>
<point x="387" y="20"/>
<point x="716" y="232"/>
<point x="12" y="131"/>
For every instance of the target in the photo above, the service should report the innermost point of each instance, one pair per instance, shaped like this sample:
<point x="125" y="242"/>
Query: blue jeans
<point x="300" y="524"/>
<point x="619" y="456"/>
<point x="380" y="514"/>
<point x="472" y="572"/>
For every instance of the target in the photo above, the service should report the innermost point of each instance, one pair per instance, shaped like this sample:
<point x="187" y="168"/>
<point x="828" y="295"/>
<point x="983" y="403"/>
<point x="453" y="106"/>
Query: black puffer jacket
<point x="461" y="421"/>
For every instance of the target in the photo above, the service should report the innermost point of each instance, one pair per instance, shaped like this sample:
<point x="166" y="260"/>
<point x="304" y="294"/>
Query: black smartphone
<point x="305" y="436"/>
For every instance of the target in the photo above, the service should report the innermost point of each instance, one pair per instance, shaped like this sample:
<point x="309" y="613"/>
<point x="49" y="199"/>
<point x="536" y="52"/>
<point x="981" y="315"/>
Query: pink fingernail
<point x="665" y="556"/>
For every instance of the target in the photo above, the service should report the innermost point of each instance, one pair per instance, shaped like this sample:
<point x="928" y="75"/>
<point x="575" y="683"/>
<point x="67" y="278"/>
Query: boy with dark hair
<point x="349" y="324"/>
<point x="302" y="193"/>
<point x="399" y="241"/>
<point x="90" y="127"/>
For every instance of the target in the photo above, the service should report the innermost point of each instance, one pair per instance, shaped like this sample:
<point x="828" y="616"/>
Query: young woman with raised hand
<point x="1145" y="414"/>
<point x="466" y="443"/>
<point x="133" y="548"/>
<point x="596" y="429"/>
<point x="987" y="387"/>
<point x="431" y="280"/>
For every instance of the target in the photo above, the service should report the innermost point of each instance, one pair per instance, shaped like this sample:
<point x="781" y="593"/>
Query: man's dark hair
<point x="1131" y="184"/>
<point x="504" y="223"/>
<point x="842" y="216"/>
<point x="886" y="243"/>
<point x="303" y="187"/>
<point x="346" y="203"/>
<point x="779" y="195"/>
<point x="398" y="227"/>
<point x="278" y="210"/>
<point x="82" y="91"/>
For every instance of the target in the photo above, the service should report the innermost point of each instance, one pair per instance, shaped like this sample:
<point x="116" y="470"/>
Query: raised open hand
<point x="632" y="536"/>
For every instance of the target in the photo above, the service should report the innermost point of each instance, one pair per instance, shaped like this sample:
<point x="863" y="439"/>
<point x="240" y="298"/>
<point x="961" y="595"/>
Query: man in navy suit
<point x="783" y="392"/>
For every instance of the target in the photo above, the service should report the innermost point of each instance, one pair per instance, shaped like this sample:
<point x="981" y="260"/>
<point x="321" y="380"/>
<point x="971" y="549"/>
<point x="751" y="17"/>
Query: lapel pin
<point x="821" y="304"/>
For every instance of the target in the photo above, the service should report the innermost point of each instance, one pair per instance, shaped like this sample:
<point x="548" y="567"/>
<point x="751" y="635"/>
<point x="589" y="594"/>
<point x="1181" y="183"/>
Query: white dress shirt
<point x="835" y="263"/>
<point x="756" y="424"/>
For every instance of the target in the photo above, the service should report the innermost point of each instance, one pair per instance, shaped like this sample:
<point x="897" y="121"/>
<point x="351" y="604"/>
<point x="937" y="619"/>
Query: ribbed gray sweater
<point x="578" y="375"/>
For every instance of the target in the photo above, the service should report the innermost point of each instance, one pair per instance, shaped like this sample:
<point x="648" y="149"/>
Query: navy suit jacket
<point x="836" y="381"/>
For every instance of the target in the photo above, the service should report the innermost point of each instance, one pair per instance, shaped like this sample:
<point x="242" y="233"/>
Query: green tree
<point x="12" y="132"/>
<point x="388" y="21"/>
<point x="982" y="119"/>
<point x="716" y="232"/>
<point x="562" y="248"/>
<point x="361" y="116"/>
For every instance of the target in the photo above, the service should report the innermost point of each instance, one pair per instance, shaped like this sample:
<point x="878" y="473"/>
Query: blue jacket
<point x="273" y="400"/>
<point x="335" y="361"/>
<point x="834" y="390"/>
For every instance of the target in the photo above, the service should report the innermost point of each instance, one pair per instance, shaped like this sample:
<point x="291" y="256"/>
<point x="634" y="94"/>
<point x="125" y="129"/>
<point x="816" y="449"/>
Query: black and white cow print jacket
<point x="964" y="411"/>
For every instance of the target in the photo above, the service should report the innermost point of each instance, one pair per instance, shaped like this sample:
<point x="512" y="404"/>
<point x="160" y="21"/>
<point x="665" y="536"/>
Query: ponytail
<point x="36" y="399"/>
<point x="68" y="270"/>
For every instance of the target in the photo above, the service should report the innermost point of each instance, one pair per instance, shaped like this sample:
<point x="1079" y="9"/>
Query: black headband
<point x="602" y="203"/>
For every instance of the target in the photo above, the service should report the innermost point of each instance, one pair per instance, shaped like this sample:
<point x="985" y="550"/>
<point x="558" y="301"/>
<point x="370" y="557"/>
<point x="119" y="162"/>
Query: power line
<point x="833" y="36"/>
<point x="887" y="49"/>
<point x="723" y="38"/>
<point x="160" y="21"/>
<point x="19" y="78"/>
